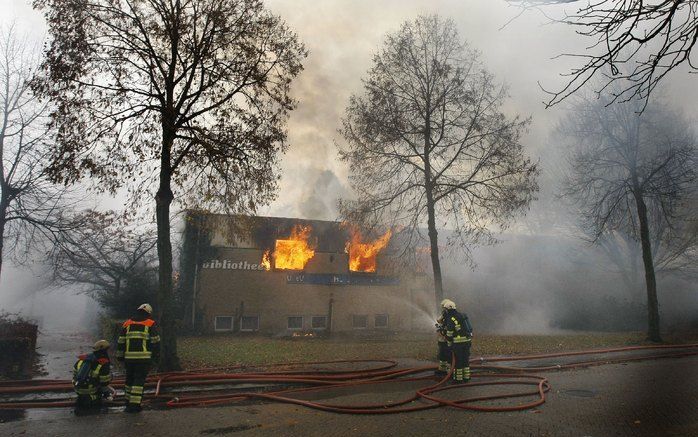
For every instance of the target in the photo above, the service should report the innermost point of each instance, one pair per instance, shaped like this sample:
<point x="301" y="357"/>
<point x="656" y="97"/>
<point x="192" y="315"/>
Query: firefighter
<point x="444" y="352"/>
<point x="138" y="348"/>
<point x="91" y="377"/>
<point x="459" y="334"/>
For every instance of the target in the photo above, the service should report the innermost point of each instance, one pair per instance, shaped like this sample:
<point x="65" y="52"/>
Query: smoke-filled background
<point x="541" y="276"/>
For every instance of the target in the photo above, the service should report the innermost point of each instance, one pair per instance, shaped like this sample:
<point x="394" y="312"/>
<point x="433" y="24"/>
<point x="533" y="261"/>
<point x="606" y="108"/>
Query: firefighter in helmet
<point x="138" y="347"/>
<point x="459" y="334"/>
<point x="91" y="377"/>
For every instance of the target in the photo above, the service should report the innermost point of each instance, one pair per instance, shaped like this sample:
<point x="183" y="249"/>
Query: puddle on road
<point x="49" y="414"/>
<point x="580" y="393"/>
<point x="12" y="415"/>
<point x="230" y="429"/>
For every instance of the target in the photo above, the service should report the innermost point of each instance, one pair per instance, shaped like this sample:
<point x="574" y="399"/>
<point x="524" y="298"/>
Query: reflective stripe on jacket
<point x="458" y="329"/>
<point x="139" y="340"/>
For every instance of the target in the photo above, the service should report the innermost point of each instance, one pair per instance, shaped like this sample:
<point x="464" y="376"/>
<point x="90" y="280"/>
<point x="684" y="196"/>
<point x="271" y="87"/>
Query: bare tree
<point x="636" y="43"/>
<point x="427" y="141"/>
<point x="30" y="205"/>
<point x="674" y="249"/>
<point x="159" y="94"/>
<point x="102" y="254"/>
<point x="634" y="175"/>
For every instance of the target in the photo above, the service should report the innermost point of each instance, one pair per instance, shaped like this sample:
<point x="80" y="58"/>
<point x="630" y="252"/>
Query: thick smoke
<point x="27" y="291"/>
<point x="541" y="284"/>
<point x="320" y="198"/>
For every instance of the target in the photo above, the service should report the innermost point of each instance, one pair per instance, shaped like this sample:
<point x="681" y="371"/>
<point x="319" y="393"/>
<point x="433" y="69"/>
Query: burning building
<point x="286" y="276"/>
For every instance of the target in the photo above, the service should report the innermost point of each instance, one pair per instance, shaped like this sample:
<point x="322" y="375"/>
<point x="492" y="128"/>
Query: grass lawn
<point x="222" y="350"/>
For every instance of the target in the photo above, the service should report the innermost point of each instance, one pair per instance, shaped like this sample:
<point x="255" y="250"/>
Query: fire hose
<point x="283" y="383"/>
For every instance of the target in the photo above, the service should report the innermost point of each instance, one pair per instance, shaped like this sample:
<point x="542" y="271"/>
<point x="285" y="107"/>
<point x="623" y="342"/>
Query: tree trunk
<point x="434" y="248"/>
<point x="3" y="212"/>
<point x="650" y="280"/>
<point x="431" y="220"/>
<point x="168" y="352"/>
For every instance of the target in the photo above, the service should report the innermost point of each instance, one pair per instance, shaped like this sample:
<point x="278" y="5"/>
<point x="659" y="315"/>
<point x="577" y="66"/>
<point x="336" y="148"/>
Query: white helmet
<point x="147" y="308"/>
<point x="100" y="345"/>
<point x="448" y="304"/>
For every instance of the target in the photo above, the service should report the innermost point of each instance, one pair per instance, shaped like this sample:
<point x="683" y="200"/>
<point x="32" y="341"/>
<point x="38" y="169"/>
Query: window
<point x="359" y="321"/>
<point x="294" y="322"/>
<point x="381" y="321"/>
<point x="249" y="323"/>
<point x="223" y="323"/>
<point x="318" y="322"/>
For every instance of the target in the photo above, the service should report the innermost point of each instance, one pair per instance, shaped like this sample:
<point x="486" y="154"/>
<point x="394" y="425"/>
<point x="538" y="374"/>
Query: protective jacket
<point x="99" y="376"/>
<point x="139" y="340"/>
<point x="458" y="328"/>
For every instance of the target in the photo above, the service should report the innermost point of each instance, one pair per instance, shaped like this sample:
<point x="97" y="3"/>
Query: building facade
<point x="232" y="290"/>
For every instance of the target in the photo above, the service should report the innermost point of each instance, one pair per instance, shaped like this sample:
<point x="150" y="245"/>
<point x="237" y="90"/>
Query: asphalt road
<point x="652" y="398"/>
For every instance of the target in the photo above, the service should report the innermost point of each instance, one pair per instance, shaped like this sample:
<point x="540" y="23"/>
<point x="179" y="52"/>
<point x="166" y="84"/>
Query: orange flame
<point x="362" y="256"/>
<point x="291" y="254"/>
<point x="266" y="260"/>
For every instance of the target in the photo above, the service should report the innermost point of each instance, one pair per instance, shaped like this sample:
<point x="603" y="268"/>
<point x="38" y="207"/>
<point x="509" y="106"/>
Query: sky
<point x="343" y="35"/>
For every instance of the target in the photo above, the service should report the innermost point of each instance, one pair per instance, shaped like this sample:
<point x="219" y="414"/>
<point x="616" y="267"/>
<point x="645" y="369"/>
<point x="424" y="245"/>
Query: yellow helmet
<point x="100" y="345"/>
<point x="448" y="304"/>
<point x="147" y="308"/>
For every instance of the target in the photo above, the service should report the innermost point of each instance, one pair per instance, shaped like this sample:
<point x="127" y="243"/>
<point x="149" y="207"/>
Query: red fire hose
<point x="313" y="379"/>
